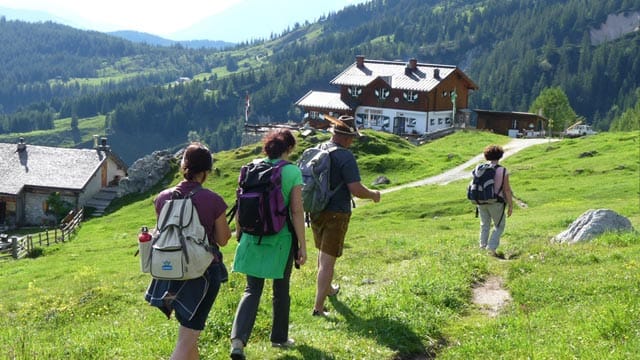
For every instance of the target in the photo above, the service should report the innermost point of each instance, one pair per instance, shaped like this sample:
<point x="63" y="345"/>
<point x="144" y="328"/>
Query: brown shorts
<point x="329" y="230"/>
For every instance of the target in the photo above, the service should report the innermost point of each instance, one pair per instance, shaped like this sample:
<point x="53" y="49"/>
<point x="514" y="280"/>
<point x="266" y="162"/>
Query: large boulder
<point x="593" y="223"/>
<point x="145" y="172"/>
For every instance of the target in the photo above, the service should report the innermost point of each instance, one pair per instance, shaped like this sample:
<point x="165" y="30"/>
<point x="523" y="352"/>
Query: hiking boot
<point x="324" y="312"/>
<point x="237" y="350"/>
<point x="284" y="345"/>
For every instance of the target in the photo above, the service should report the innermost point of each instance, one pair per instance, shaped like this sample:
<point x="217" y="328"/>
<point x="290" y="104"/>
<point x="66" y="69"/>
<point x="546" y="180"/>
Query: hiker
<point x="495" y="211"/>
<point x="330" y="225"/>
<point x="192" y="299"/>
<point x="263" y="257"/>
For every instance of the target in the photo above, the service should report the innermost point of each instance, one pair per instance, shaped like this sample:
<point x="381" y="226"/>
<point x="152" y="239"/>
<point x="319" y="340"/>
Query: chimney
<point x="360" y="61"/>
<point x="103" y="144"/>
<point x="412" y="66"/>
<point x="436" y="73"/>
<point x="22" y="146"/>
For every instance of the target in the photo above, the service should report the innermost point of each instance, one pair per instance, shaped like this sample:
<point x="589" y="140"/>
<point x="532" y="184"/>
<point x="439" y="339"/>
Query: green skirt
<point x="263" y="258"/>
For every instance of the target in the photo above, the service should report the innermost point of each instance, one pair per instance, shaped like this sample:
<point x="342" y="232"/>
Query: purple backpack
<point x="260" y="205"/>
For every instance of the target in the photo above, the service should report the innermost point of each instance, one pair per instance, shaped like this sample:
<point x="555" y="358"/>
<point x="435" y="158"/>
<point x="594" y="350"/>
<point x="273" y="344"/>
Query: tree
<point x="554" y="104"/>
<point x="630" y="119"/>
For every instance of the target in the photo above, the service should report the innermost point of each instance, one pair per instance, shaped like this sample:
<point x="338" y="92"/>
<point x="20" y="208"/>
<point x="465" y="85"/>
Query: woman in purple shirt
<point x="192" y="299"/>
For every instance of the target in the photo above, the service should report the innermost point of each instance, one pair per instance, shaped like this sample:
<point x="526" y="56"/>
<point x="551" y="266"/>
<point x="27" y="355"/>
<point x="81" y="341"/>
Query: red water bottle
<point x="144" y="235"/>
<point x="144" y="247"/>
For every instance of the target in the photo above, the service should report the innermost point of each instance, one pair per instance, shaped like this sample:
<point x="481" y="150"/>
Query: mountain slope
<point x="512" y="49"/>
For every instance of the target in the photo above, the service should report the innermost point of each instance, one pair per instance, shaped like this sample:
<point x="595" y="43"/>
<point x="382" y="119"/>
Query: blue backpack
<point x="315" y="165"/>
<point x="481" y="188"/>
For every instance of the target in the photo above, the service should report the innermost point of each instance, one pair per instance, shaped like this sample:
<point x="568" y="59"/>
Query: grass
<point x="407" y="272"/>
<point x="62" y="135"/>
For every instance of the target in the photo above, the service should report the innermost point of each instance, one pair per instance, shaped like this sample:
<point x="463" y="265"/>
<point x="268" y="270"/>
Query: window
<point x="382" y="93"/>
<point x="439" y="121"/>
<point x="445" y="93"/>
<point x="432" y="121"/>
<point x="313" y="115"/>
<point x="447" y="120"/>
<point x="354" y="91"/>
<point x="410" y="96"/>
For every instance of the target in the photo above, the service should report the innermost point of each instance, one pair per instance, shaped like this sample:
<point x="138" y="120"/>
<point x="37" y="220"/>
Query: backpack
<point x="260" y="205"/>
<point x="480" y="189"/>
<point x="315" y="165"/>
<point x="180" y="248"/>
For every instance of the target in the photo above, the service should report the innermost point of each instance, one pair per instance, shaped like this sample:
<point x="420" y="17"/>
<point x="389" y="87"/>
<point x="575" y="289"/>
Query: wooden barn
<point x="511" y="123"/>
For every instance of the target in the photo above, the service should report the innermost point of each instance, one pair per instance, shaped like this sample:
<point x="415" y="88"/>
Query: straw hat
<point x="345" y="125"/>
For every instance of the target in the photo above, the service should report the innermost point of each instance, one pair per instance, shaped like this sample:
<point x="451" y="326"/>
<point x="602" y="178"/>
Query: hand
<point x="376" y="196"/>
<point x="509" y="210"/>
<point x="302" y="257"/>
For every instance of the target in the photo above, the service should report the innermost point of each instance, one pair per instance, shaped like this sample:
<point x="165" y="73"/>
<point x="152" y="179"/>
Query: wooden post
<point x="14" y="247"/>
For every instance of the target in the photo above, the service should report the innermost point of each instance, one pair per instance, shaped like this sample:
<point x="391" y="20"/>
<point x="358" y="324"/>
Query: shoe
<point x="322" y="313"/>
<point x="284" y="345"/>
<point x="335" y="289"/>
<point x="237" y="350"/>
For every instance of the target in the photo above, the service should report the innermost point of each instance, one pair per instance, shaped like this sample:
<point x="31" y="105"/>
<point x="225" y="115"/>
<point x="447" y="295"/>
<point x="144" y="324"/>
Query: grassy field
<point x="407" y="274"/>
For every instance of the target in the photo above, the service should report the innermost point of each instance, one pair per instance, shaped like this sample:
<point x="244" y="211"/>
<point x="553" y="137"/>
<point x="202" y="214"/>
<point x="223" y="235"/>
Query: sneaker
<point x="323" y="313"/>
<point x="284" y="345"/>
<point x="335" y="289"/>
<point x="237" y="350"/>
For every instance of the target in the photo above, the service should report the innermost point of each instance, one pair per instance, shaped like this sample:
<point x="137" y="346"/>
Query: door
<point x="3" y="212"/>
<point x="398" y="125"/>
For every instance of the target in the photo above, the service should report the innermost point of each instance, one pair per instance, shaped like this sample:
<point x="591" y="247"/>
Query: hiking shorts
<point x="329" y="230"/>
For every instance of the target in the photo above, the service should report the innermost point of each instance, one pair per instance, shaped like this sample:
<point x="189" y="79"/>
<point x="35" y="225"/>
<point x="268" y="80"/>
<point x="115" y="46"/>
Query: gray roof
<point x="323" y="99"/>
<point x="393" y="72"/>
<point x="43" y="166"/>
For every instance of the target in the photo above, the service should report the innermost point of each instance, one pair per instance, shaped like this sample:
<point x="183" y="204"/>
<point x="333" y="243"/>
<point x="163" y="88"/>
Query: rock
<point x="381" y="180"/>
<point x="145" y="172"/>
<point x="593" y="223"/>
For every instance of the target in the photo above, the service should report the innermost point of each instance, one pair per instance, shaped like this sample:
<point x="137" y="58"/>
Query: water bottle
<point x="144" y="246"/>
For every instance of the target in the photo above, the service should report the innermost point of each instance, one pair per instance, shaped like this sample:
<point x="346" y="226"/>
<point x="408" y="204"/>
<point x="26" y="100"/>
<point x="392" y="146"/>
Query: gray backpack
<point x="180" y="248"/>
<point x="315" y="165"/>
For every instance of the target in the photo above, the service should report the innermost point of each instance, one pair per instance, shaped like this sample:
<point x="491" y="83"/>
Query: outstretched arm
<point x="360" y="191"/>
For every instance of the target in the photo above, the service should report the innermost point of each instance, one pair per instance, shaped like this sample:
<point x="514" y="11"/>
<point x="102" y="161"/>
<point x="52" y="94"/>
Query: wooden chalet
<point x="511" y="123"/>
<point x="31" y="173"/>
<point x="393" y="96"/>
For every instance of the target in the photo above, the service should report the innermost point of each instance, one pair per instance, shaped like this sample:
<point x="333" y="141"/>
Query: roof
<point x="323" y="99"/>
<point x="395" y="74"/>
<point x="513" y="113"/>
<point x="43" y="166"/>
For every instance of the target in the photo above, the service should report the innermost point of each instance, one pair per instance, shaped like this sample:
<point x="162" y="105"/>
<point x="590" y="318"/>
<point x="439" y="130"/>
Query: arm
<point x="297" y="218"/>
<point x="221" y="230"/>
<point x="508" y="196"/>
<point x="362" y="192"/>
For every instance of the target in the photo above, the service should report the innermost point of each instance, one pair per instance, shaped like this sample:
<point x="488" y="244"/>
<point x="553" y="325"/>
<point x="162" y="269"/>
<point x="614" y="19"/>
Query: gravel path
<point x="463" y="171"/>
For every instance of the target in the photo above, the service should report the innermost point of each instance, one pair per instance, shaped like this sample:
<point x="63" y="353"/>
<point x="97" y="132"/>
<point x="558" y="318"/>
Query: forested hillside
<point x="513" y="49"/>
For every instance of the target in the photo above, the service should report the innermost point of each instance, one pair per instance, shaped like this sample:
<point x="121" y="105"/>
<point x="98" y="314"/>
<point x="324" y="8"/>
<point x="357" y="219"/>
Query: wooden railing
<point x="19" y="247"/>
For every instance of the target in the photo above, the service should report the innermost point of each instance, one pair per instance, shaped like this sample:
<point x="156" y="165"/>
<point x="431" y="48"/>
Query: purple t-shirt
<point x="209" y="204"/>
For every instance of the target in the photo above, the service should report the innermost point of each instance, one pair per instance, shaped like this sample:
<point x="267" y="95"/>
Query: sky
<point x="165" y="18"/>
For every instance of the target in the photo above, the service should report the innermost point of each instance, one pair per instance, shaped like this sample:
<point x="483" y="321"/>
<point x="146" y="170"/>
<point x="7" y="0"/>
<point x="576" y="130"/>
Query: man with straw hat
<point x="330" y="225"/>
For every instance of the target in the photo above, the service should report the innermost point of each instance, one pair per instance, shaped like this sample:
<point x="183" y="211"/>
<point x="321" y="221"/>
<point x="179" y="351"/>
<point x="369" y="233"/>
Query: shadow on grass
<point x="387" y="332"/>
<point x="307" y="352"/>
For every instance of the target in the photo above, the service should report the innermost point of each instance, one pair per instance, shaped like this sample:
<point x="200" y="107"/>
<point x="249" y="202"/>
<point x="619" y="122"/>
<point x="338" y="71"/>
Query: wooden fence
<point x="19" y="247"/>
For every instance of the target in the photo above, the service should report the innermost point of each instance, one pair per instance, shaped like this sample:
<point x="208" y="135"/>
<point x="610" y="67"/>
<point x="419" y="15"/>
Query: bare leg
<point x="187" y="345"/>
<point x="326" y="264"/>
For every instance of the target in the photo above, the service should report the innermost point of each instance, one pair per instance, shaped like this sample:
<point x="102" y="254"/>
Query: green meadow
<point x="407" y="274"/>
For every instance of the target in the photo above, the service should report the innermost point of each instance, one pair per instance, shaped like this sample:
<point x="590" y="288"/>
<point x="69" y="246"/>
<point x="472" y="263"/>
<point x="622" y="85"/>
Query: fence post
<point x="14" y="247"/>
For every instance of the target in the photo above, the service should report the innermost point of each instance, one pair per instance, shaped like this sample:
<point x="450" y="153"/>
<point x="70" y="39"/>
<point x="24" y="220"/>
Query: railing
<point x="19" y="247"/>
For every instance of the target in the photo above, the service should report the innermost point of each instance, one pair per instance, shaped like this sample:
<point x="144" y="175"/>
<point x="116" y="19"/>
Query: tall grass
<point x="407" y="272"/>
